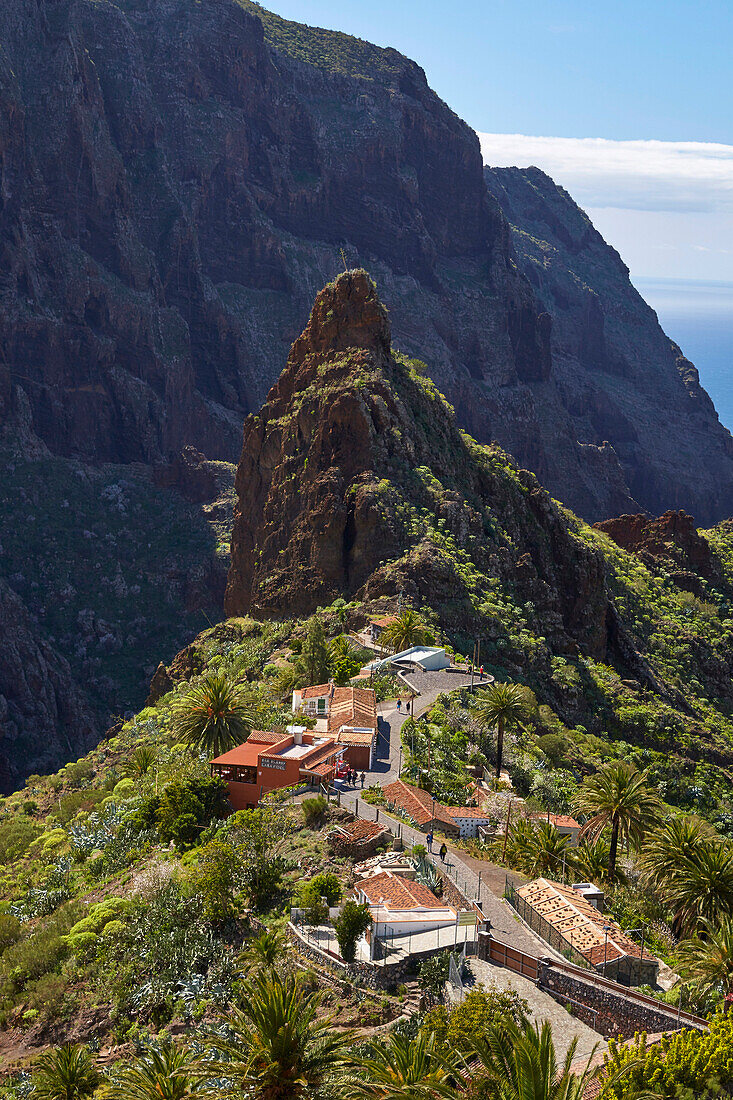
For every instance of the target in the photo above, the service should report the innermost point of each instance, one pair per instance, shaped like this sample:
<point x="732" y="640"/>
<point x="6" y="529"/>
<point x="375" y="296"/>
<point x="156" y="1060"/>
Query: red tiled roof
<point x="398" y="892"/>
<point x="560" y="821"/>
<point x="315" y="692"/>
<point x="594" y="936"/>
<point x="361" y="830"/>
<point x="415" y="802"/>
<point x="467" y="812"/>
<point x="266" y="737"/>
<point x="246" y="755"/>
<point x="385" y="620"/>
<point x="352" y="706"/>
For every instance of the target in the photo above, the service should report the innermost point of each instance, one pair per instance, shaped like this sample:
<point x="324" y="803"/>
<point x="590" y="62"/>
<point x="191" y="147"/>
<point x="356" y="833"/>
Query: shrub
<point x="456" y="1027"/>
<point x="16" y="836"/>
<point x="351" y="923"/>
<point x="10" y="930"/>
<point x="313" y="810"/>
<point x="70" y="804"/>
<point x="215" y="880"/>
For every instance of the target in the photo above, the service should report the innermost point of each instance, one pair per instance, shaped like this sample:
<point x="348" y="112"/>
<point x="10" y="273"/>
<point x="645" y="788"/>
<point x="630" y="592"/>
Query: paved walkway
<point x="461" y="868"/>
<point x="542" y="1006"/>
<point x="428" y="686"/>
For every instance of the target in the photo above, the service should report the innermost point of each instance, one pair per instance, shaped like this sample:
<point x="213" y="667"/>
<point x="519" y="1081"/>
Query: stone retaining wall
<point x="605" y="1010"/>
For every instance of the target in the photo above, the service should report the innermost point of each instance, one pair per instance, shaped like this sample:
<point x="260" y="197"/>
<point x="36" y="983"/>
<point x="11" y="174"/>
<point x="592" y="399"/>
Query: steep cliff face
<point x="178" y="180"/>
<point x="44" y="718"/>
<point x="618" y="376"/>
<point x="355" y="480"/>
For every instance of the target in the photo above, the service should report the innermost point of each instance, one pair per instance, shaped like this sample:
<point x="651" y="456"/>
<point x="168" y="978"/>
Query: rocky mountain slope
<point x="355" y="481"/>
<point x="179" y="179"/>
<point x="103" y="571"/>
<point x="620" y="377"/>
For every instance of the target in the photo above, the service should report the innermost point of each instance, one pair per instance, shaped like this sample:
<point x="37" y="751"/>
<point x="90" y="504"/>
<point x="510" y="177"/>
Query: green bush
<point x="10" y="930"/>
<point x="16" y="836"/>
<point x="314" y="809"/>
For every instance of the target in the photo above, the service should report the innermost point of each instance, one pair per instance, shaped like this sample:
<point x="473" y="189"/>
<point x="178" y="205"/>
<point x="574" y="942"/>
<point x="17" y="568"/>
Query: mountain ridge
<point x="177" y="202"/>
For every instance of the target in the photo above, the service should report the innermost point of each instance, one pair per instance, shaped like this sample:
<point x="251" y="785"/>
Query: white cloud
<point x="683" y="176"/>
<point x="667" y="206"/>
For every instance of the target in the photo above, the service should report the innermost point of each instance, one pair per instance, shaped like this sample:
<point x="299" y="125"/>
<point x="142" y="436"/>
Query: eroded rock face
<point x="354" y="472"/>
<point x="623" y="384"/>
<point x="672" y="539"/>
<point x="180" y="179"/>
<point x="44" y="718"/>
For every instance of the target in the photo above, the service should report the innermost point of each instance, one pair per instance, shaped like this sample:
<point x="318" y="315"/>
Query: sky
<point x="627" y="105"/>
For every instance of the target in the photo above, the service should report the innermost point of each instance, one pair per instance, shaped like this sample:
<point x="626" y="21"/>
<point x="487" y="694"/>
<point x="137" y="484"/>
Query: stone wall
<point x="609" y="1012"/>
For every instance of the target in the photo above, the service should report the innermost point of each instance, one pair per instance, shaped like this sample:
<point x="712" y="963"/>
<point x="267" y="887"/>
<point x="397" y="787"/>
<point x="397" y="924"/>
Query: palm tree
<point x="406" y="630"/>
<point x="698" y="886"/>
<point x="405" y="1069"/>
<point x="276" y="1047"/>
<point x="707" y="960"/>
<point x="590" y="861"/>
<point x="66" y="1073"/>
<point x="548" y="851"/>
<point x="672" y="840"/>
<point x="212" y="717"/>
<point x="141" y="761"/>
<point x="264" y="952"/>
<point x="617" y="796"/>
<point x="161" y="1073"/>
<point x="520" y="1063"/>
<point x="503" y="706"/>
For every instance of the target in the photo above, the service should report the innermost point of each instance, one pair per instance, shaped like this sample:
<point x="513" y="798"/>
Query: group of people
<point x="352" y="776"/>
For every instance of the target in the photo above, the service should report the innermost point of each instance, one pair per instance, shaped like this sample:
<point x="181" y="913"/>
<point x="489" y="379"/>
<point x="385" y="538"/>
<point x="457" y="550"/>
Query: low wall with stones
<point x="609" y="1012"/>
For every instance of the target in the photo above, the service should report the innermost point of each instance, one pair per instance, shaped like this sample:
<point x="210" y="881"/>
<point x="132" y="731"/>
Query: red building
<point x="268" y="761"/>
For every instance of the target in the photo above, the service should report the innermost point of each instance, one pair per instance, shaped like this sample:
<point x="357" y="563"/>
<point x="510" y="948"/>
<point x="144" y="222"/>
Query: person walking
<point x="443" y="852"/>
<point x="429" y="839"/>
<point x="362" y="777"/>
<point x="399" y="705"/>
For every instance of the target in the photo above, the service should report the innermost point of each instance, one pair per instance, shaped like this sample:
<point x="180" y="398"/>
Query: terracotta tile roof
<point x="318" y="755"/>
<point x="415" y="802"/>
<point x="466" y="812"/>
<point x="398" y="893"/>
<point x="266" y="737"/>
<point x="354" y="737"/>
<point x="246" y="755"/>
<point x="560" y="821"/>
<point x="384" y="621"/>
<point x="352" y="706"/>
<point x="361" y="830"/>
<point x="315" y="692"/>
<point x="580" y="923"/>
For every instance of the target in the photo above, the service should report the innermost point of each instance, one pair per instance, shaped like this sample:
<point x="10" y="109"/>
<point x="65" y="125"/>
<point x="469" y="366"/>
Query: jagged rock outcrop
<point x="671" y="540"/>
<point x="355" y="480"/>
<point x="178" y="180"/>
<point x="44" y="718"/>
<point x="618" y="376"/>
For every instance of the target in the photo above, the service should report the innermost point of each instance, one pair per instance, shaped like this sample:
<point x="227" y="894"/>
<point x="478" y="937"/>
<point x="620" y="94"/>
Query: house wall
<point x="358" y="756"/>
<point x="243" y="796"/>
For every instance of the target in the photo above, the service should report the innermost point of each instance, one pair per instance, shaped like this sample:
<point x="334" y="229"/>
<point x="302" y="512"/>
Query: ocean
<point x="699" y="317"/>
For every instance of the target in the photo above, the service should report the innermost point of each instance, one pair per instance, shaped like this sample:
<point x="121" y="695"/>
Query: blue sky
<point x="651" y="78"/>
